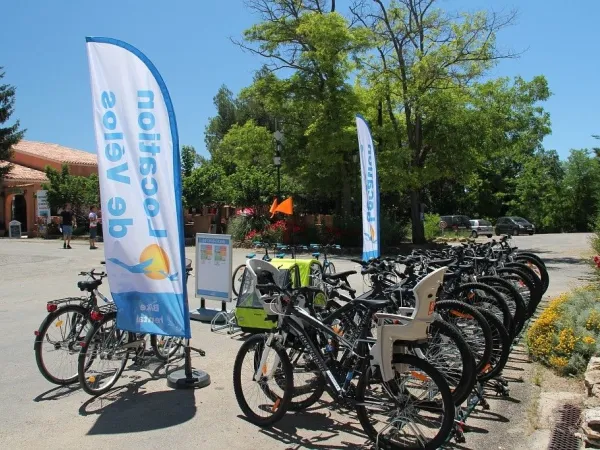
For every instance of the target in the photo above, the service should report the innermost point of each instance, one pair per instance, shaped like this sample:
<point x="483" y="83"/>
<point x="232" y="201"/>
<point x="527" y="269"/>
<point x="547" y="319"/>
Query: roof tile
<point x="22" y="173"/>
<point x="58" y="153"/>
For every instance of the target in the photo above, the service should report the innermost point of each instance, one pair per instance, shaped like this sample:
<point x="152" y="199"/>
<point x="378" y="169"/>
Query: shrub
<point x="567" y="333"/>
<point x="432" y="226"/>
<point x="595" y="241"/>
<point x="239" y="226"/>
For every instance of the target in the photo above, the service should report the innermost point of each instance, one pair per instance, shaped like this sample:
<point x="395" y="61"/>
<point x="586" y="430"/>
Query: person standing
<point x="68" y="223"/>
<point x="93" y="218"/>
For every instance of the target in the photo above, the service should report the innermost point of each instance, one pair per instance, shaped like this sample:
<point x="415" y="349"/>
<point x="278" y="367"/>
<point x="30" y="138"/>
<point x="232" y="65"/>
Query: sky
<point x="42" y="49"/>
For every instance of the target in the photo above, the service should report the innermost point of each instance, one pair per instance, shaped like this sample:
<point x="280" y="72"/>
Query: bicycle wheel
<point x="485" y="296"/>
<point x="103" y="345"/>
<point x="538" y="267"/>
<point x="237" y="279"/>
<point x="57" y="343"/>
<point x="473" y="327"/>
<point x="309" y="384"/>
<point x="449" y="353"/>
<point x="272" y="400"/>
<point x="412" y="411"/>
<point x="524" y="285"/>
<point x="329" y="268"/>
<point x="531" y="273"/>
<point x="500" y="347"/>
<point x="165" y="346"/>
<point x="513" y="298"/>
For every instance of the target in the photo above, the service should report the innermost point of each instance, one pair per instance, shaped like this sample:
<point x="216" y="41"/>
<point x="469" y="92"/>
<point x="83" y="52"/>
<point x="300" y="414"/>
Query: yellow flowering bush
<point x="566" y="334"/>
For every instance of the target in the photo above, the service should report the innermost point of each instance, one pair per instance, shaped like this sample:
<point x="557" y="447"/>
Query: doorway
<point x="19" y="210"/>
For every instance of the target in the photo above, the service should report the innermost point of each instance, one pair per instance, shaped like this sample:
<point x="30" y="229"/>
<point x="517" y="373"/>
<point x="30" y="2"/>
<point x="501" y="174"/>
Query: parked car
<point x="480" y="226"/>
<point x="514" y="226"/>
<point x="456" y="222"/>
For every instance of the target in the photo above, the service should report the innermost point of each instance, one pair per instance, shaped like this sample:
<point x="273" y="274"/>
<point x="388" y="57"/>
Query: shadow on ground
<point x="131" y="409"/>
<point x="292" y="429"/>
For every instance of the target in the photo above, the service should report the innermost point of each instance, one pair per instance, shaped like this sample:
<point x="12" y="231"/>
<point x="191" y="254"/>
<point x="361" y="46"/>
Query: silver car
<point x="481" y="227"/>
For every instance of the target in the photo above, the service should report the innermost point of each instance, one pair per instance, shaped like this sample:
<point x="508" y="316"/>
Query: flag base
<point x="195" y="380"/>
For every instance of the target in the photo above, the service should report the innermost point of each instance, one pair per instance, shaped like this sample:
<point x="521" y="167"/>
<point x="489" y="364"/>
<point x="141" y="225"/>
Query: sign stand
<point x="188" y="377"/>
<point x="213" y="276"/>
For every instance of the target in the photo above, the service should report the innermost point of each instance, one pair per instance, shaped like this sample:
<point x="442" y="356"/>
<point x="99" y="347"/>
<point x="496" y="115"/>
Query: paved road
<point x="144" y="413"/>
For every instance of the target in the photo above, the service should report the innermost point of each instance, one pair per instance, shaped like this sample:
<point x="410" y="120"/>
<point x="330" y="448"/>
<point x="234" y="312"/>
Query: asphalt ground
<point x="142" y="412"/>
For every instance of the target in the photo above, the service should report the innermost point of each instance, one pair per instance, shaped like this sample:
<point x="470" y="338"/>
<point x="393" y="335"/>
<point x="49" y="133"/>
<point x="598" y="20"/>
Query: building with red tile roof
<point x="18" y="189"/>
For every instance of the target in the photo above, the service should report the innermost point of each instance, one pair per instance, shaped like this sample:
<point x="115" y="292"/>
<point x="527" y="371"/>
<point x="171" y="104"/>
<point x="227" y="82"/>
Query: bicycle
<point x="328" y="266"/>
<point x="105" y="343"/>
<point x="377" y="364"/>
<point x="71" y="317"/>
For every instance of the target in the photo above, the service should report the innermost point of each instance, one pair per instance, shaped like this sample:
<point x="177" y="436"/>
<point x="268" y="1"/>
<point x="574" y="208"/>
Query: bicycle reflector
<point x="96" y="316"/>
<point x="51" y="307"/>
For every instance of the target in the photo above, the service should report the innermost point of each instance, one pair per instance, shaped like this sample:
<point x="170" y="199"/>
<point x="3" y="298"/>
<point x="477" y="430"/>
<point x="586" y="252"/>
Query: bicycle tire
<point x="316" y="392"/>
<point x="288" y="389"/>
<point x="447" y="309"/>
<point x="543" y="272"/>
<point x="461" y="388"/>
<point x="173" y="347"/>
<point x="436" y="377"/>
<point x="235" y="277"/>
<point x="500" y="347"/>
<point x="531" y="302"/>
<point x="82" y="367"/>
<point x="39" y="338"/>
<point x="530" y="272"/>
<point x="514" y="297"/>
<point x="330" y="269"/>
<point x="493" y="297"/>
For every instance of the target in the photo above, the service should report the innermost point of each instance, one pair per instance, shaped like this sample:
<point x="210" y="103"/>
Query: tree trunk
<point x="418" y="228"/>
<point x="218" y="229"/>
<point x="346" y="192"/>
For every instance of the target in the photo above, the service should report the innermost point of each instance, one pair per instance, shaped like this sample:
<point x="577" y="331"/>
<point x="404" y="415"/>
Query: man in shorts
<point x="93" y="218"/>
<point x="68" y="223"/>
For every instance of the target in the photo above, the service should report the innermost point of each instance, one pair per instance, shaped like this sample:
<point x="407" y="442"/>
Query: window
<point x="484" y="223"/>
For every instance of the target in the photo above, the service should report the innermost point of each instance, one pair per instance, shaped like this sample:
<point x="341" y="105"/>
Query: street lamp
<point x="278" y="135"/>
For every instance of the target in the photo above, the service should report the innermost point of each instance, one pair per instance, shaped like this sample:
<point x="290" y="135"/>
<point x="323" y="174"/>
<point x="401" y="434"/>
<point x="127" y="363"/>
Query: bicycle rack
<point x="224" y="320"/>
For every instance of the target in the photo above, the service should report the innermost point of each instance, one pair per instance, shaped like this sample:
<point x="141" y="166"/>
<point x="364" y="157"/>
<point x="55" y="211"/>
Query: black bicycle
<point x="391" y="393"/>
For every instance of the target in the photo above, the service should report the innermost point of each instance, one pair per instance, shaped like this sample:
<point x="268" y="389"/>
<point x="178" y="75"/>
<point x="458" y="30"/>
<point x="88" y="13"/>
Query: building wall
<point x="30" y="203"/>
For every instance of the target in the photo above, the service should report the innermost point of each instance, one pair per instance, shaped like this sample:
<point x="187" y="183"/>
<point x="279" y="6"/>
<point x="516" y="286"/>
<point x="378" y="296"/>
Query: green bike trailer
<point x="249" y="312"/>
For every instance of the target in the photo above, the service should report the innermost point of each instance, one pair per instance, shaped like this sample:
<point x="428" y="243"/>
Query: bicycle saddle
<point x="88" y="285"/>
<point x="339" y="275"/>
<point x="372" y="304"/>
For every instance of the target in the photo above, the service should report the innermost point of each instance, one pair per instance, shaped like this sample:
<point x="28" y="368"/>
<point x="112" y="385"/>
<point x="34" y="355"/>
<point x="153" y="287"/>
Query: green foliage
<point x="9" y="135"/>
<point x="446" y="134"/>
<point x="80" y="192"/>
<point x="567" y="333"/>
<point x="432" y="226"/>
<point x="595" y="241"/>
<point x="189" y="159"/>
<point x="240" y="226"/>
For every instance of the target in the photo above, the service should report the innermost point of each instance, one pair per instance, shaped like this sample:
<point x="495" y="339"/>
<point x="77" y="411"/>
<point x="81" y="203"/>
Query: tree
<point x="581" y="189"/>
<point x="425" y="58"/>
<point x="9" y="135"/>
<point x="312" y="43"/>
<point x="539" y="192"/>
<point x="189" y="159"/>
<point x="80" y="192"/>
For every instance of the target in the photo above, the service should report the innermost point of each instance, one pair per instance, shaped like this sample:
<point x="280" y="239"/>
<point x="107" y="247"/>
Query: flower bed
<point x="567" y="333"/>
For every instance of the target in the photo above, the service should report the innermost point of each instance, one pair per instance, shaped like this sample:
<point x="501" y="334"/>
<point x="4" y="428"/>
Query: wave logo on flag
<point x="139" y="169"/>
<point x="370" y="191"/>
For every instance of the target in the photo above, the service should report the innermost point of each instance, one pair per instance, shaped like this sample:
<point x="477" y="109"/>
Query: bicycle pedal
<point x="200" y="351"/>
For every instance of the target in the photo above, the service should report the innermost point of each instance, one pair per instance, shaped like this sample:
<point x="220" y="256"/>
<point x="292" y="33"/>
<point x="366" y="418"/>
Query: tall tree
<point x="9" y="135"/>
<point x="424" y="55"/>
<point x="581" y="188"/>
<point x="311" y="44"/>
<point x="189" y="159"/>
